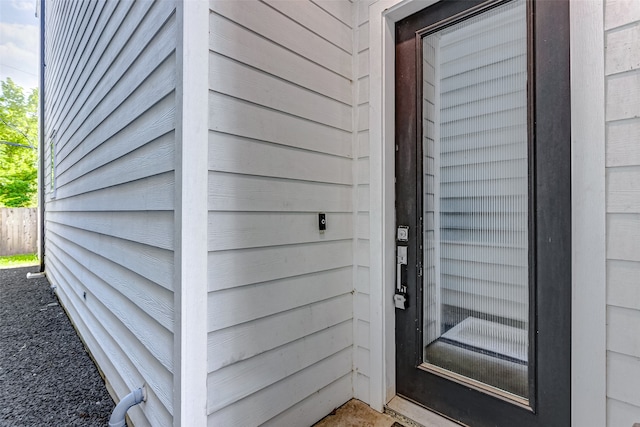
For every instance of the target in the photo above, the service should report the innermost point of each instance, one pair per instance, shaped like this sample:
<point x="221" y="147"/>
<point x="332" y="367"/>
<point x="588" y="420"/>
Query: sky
<point x="19" y="42"/>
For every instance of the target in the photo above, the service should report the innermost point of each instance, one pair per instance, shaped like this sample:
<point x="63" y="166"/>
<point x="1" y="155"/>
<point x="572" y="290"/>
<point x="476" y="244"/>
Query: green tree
<point x="18" y="145"/>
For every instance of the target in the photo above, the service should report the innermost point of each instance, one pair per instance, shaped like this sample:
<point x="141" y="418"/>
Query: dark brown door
<point x="483" y="188"/>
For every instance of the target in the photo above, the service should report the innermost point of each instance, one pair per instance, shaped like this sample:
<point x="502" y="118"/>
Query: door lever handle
<point x="400" y="297"/>
<point x="402" y="255"/>
<point x="401" y="259"/>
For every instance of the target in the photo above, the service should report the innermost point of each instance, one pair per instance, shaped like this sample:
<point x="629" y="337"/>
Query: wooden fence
<point x="18" y="231"/>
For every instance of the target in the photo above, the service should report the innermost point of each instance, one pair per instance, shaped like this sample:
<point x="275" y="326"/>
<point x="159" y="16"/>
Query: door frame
<point x="588" y="333"/>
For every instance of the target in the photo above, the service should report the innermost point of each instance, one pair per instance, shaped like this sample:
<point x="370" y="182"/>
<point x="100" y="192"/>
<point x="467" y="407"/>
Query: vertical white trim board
<point x="588" y="205"/>
<point x="588" y="322"/>
<point x="354" y="206"/>
<point x="190" y="323"/>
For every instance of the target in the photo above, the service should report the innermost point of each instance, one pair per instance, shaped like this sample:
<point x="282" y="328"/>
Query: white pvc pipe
<point x="120" y="411"/>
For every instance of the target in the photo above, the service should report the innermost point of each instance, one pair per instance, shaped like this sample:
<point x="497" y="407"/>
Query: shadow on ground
<point x="46" y="376"/>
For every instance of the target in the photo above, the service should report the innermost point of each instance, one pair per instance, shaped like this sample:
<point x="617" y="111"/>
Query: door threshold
<point x="415" y="415"/>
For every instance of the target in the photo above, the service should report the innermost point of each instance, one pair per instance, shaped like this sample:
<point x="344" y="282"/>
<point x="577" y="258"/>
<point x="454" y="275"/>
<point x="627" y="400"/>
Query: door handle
<point x="400" y="297"/>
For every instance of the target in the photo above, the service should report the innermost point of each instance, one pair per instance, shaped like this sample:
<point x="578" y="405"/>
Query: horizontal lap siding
<point x="622" y="69"/>
<point x="362" y="298"/>
<point x="280" y="303"/>
<point x="109" y="240"/>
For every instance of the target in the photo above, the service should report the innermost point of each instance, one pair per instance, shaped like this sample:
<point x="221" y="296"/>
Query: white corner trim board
<point x="588" y="307"/>
<point x="190" y="330"/>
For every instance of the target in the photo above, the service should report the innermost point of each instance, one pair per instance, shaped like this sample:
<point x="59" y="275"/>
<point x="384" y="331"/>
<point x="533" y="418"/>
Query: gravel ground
<point x="46" y="376"/>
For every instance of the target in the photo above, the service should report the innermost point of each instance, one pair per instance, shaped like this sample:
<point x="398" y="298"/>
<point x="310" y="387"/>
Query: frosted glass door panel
<point x="475" y="185"/>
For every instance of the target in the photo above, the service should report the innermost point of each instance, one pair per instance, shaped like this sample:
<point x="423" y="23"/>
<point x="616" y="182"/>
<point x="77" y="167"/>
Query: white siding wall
<point x="362" y="300"/>
<point x="280" y="342"/>
<point x="110" y="100"/>
<point x="622" y="69"/>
